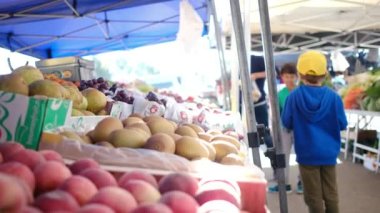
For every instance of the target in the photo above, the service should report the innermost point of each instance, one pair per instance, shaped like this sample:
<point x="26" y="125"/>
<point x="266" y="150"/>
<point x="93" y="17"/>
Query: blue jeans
<point x="261" y="113"/>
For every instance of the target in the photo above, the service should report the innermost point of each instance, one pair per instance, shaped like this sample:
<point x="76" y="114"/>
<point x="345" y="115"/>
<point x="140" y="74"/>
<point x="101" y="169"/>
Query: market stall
<point x="361" y="97"/>
<point x="94" y="135"/>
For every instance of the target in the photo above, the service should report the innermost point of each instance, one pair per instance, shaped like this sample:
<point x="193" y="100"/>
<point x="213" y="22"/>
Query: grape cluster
<point x="122" y="96"/>
<point x="153" y="97"/>
<point x="99" y="84"/>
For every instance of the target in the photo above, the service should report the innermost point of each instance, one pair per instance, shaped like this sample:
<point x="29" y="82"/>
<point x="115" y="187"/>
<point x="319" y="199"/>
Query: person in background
<point x="316" y="115"/>
<point x="261" y="106"/>
<point x="289" y="77"/>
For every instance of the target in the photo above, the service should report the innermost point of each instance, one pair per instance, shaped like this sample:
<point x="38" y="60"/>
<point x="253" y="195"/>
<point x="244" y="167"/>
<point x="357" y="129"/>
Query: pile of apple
<point x="39" y="181"/>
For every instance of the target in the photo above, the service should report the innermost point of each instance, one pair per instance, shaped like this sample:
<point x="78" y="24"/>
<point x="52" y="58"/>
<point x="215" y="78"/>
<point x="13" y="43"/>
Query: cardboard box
<point x="24" y="118"/>
<point x="83" y="124"/>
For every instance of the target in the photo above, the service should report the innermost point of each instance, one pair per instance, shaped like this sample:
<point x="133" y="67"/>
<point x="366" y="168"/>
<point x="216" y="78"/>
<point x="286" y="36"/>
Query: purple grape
<point x="101" y="90"/>
<point x="122" y="94"/>
<point x="100" y="80"/>
<point x="151" y="97"/>
<point x="103" y="86"/>
<point x="90" y="84"/>
<point x="164" y="102"/>
<point x="130" y="100"/>
<point x="108" y="93"/>
<point x="113" y="87"/>
<point x="82" y="87"/>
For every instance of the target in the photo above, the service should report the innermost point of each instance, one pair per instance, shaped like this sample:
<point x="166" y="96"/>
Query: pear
<point x="14" y="84"/>
<point x="29" y="74"/>
<point x="46" y="88"/>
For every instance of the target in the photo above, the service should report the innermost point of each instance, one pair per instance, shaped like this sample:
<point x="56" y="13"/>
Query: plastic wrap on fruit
<point x="203" y="119"/>
<point x="145" y="107"/>
<point x="121" y="110"/>
<point x="170" y="107"/>
<point x="119" y="157"/>
<point x="179" y="113"/>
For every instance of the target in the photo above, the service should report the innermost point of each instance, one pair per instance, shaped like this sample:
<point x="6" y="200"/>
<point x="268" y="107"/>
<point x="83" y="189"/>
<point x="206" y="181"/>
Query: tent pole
<point x="273" y="98"/>
<point x="247" y="26"/>
<point x="246" y="83"/>
<point x="222" y="60"/>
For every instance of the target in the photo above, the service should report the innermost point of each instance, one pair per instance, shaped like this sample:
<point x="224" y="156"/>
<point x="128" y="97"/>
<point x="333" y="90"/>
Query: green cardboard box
<point x="24" y="118"/>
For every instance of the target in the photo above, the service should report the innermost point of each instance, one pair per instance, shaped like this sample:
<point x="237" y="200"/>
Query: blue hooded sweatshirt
<point x="316" y="116"/>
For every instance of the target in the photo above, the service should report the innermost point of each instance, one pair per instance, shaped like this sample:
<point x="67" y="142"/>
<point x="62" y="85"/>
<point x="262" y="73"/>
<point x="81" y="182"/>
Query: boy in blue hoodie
<point x="316" y="115"/>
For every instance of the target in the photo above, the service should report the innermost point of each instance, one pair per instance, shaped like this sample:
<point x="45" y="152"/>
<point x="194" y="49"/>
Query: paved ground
<point x="359" y="190"/>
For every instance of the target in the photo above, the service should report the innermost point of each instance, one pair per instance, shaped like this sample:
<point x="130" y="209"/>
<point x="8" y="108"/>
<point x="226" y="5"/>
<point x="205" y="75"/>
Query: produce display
<point x="128" y="129"/>
<point x="42" y="182"/>
<point x="363" y="92"/>
<point x="30" y="81"/>
<point x="157" y="133"/>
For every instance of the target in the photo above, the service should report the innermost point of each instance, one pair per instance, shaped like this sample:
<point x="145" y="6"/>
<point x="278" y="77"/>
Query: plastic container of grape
<point x="177" y="112"/>
<point x="147" y="108"/>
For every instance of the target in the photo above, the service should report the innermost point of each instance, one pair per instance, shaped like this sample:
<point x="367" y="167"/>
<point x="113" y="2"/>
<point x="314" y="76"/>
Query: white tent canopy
<point x="304" y="24"/>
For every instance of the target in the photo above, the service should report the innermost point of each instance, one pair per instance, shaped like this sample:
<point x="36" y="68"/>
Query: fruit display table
<point x="122" y="132"/>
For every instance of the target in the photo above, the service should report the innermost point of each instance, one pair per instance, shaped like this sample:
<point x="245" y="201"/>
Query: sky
<point x="198" y="69"/>
<point x="16" y="59"/>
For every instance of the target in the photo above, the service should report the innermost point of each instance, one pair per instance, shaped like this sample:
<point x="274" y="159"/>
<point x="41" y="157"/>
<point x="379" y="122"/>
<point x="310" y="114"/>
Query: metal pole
<point x="273" y="98"/>
<point x="222" y="60"/>
<point x="247" y="26"/>
<point x="246" y="83"/>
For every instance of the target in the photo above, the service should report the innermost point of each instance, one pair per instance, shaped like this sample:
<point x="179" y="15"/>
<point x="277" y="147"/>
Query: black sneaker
<point x="274" y="188"/>
<point x="299" y="189"/>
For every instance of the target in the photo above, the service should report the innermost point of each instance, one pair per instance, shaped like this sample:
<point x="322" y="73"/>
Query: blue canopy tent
<point x="59" y="28"/>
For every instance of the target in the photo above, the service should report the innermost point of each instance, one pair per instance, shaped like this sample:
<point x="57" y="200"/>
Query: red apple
<point x="178" y="182"/>
<point x="138" y="175"/>
<point x="21" y="171"/>
<point x="83" y="164"/>
<point x="81" y="188"/>
<point x="95" y="208"/>
<point x="27" y="157"/>
<point x="152" y="208"/>
<point x="116" y="198"/>
<point x="9" y="148"/>
<point x="50" y="175"/>
<point x="142" y="191"/>
<point x="179" y="201"/>
<point x="30" y="209"/>
<point x="56" y="201"/>
<point x="99" y="177"/>
<point x="51" y="155"/>
<point x="12" y="198"/>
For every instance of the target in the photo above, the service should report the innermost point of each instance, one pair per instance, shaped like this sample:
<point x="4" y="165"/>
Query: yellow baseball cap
<point x="312" y="62"/>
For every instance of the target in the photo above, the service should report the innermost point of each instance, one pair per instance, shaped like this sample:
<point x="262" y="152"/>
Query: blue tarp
<point x="58" y="28"/>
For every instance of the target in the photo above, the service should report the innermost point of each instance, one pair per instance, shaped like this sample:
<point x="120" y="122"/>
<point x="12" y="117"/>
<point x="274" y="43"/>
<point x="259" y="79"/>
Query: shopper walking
<point x="261" y="106"/>
<point x="289" y="77"/>
<point x="315" y="114"/>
